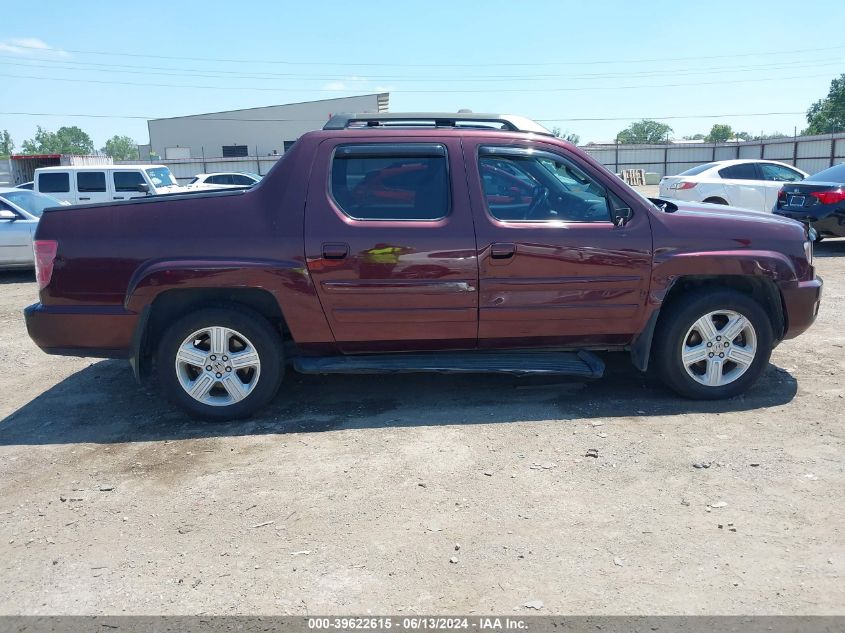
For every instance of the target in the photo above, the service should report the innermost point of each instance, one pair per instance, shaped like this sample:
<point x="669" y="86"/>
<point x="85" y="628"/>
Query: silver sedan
<point x="20" y="211"/>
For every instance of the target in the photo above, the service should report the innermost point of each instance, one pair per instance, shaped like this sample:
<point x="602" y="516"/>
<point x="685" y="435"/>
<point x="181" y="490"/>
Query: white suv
<point x="104" y="183"/>
<point x="747" y="184"/>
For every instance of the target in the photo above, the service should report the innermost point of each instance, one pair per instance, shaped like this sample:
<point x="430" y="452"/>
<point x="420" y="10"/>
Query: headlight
<point x="808" y="251"/>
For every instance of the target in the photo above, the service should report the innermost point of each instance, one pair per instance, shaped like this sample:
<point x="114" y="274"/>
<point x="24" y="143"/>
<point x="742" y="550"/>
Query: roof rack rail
<point x="505" y="122"/>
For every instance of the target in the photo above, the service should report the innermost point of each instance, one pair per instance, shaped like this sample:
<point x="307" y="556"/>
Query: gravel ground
<point x="425" y="494"/>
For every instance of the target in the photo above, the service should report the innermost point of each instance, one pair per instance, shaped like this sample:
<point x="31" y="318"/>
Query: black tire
<point x="716" y="201"/>
<point x="247" y="323"/>
<point x="677" y="320"/>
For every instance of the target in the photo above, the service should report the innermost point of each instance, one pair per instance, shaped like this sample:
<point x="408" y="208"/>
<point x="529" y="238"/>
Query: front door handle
<point x="335" y="250"/>
<point x="81" y="198"/>
<point x="118" y="198"/>
<point x="502" y="250"/>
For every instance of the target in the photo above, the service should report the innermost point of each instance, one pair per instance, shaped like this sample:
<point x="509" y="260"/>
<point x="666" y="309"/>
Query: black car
<point x="818" y="200"/>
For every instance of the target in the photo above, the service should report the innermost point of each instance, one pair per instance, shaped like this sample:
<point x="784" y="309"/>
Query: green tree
<point x="566" y="135"/>
<point x="7" y="145"/>
<point x="121" y="148"/>
<point x="719" y="133"/>
<point x="695" y="137"/>
<point x="828" y="115"/>
<point x="645" y="131"/>
<point x="65" y="140"/>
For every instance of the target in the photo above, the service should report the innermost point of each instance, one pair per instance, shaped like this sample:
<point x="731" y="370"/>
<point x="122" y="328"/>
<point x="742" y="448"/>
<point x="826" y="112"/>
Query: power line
<point x="180" y="72"/>
<point x="49" y="49"/>
<point x="438" y="91"/>
<point x="201" y="118"/>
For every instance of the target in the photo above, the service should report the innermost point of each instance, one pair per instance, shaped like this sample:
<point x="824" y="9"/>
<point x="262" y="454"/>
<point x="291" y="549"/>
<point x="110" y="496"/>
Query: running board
<point x="519" y="362"/>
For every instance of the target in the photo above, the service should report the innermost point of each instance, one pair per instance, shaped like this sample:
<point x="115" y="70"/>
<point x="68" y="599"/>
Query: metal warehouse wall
<point x="261" y="130"/>
<point x="810" y="153"/>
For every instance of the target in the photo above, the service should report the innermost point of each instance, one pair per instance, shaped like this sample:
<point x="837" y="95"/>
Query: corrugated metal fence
<point x="810" y="153"/>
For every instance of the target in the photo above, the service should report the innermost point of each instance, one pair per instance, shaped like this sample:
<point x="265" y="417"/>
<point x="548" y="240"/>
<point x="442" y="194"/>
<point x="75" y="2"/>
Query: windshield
<point x="32" y="202"/>
<point x="832" y="174"/>
<point x="161" y="177"/>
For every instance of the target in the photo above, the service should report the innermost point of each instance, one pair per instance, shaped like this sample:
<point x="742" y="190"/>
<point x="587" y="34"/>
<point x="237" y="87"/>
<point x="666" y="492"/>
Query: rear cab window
<point x="54" y="182"/>
<point x="391" y="181"/>
<point x="743" y="171"/>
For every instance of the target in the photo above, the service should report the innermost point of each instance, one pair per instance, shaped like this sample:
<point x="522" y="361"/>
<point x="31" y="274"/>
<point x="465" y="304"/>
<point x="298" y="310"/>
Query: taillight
<point x="829" y="197"/>
<point x="45" y="256"/>
<point x="684" y="184"/>
<point x="781" y="196"/>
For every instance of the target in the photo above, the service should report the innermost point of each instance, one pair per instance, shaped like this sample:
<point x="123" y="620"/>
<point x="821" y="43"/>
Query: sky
<point x="586" y="67"/>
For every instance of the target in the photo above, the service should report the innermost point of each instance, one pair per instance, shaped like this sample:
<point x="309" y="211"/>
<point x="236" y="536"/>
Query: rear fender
<point x="288" y="281"/>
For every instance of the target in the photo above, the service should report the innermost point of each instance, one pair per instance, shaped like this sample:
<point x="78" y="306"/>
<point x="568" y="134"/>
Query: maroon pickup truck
<point x="420" y="242"/>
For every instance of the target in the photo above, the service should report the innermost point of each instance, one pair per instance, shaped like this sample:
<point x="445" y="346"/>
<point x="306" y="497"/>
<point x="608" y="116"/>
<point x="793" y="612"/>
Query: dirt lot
<point x="352" y="494"/>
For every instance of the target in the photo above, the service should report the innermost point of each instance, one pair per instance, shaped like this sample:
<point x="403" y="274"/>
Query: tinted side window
<point x="779" y="173"/>
<point x="744" y="171"/>
<point x="127" y="180"/>
<point x="92" y="181"/>
<point x="240" y="179"/>
<point x="391" y="182"/>
<point x="540" y="188"/>
<point x="54" y="182"/>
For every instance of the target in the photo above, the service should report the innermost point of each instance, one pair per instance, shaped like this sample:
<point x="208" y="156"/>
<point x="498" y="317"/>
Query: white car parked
<point x="223" y="180"/>
<point x="747" y="184"/>
<point x="19" y="213"/>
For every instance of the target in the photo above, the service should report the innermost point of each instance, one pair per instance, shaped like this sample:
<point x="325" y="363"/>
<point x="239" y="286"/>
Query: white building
<point x="266" y="131"/>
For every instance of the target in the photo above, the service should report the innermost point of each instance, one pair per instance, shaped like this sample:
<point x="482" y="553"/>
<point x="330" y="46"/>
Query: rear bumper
<point x="801" y="301"/>
<point x="98" y="331"/>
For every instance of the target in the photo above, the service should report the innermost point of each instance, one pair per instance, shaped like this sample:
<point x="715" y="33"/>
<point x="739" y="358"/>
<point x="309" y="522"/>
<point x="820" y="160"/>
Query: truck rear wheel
<point x="713" y="344"/>
<point x="220" y="363"/>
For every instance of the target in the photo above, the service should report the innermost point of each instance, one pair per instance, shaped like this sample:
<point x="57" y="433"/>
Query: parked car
<point x="746" y="184"/>
<point x="26" y="185"/>
<point x="458" y="268"/>
<point x="818" y="200"/>
<point x="20" y="211"/>
<point x="223" y="180"/>
<point x="104" y="183"/>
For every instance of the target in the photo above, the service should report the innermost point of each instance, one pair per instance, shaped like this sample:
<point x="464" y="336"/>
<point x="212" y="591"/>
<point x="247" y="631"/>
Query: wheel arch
<point x="171" y="304"/>
<point x="762" y="289"/>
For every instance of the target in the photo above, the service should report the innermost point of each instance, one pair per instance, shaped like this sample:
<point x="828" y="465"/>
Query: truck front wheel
<point x="713" y="344"/>
<point x="220" y="363"/>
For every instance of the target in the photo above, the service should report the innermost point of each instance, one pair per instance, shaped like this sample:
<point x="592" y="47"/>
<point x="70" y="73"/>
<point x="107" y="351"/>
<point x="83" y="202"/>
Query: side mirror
<point x="622" y="216"/>
<point x="144" y="188"/>
<point x="6" y="214"/>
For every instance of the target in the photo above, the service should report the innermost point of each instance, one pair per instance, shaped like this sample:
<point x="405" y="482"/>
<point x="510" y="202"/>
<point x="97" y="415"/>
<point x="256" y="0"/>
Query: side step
<point x="518" y="362"/>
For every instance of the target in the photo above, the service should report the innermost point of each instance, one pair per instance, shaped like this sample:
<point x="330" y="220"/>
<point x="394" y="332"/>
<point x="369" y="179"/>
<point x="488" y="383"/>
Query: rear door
<point x="744" y="187"/>
<point x="390" y="244"/>
<point x="554" y="270"/>
<point x="92" y="186"/>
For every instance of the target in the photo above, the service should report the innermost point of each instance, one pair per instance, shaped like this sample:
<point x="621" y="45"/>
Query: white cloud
<point x="31" y="47"/>
<point x="353" y="82"/>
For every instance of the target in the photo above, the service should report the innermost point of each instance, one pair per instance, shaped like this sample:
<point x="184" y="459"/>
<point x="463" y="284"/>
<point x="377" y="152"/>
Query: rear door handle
<point x="81" y="198"/>
<point x="502" y="250"/>
<point x="118" y="198"/>
<point x="335" y="250"/>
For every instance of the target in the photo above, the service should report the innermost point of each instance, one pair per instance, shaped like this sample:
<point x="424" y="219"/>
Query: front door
<point x="15" y="237"/>
<point x="390" y="244"/>
<point x="554" y="269"/>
